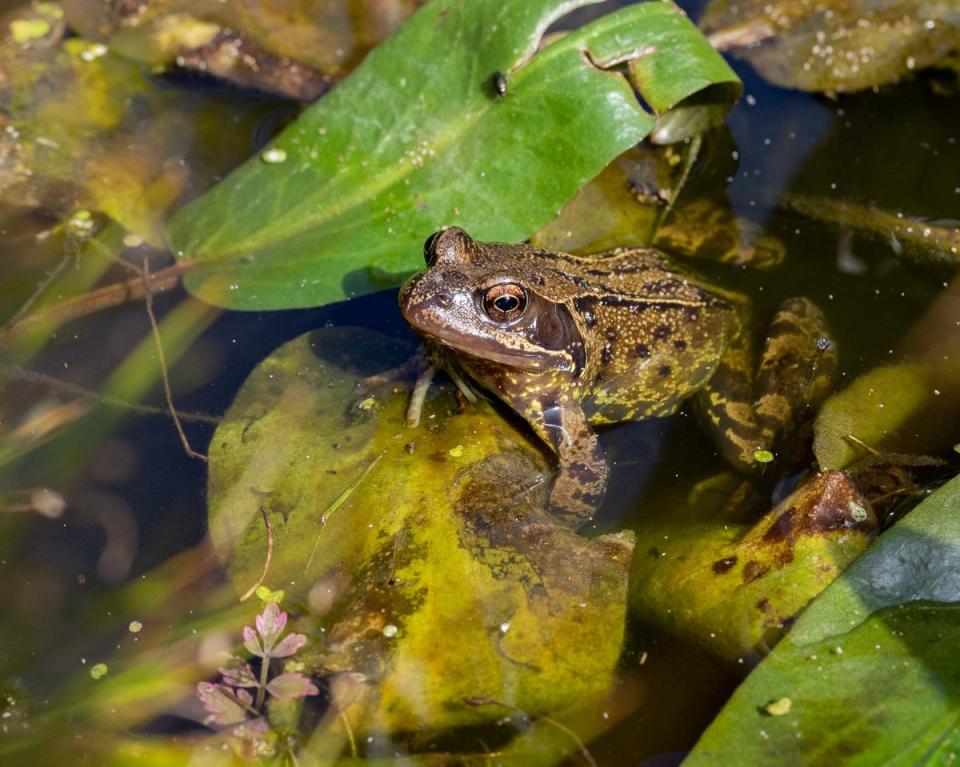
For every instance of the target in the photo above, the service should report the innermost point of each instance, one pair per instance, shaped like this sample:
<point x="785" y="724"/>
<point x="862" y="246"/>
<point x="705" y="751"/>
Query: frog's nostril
<point x="443" y="300"/>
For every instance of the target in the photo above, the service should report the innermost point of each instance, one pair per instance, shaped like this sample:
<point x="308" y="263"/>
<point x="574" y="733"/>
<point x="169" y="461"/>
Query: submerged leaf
<point x="735" y="590"/>
<point x="220" y="703"/>
<point x="252" y="642"/>
<point x="270" y="624"/>
<point x="69" y="138"/>
<point x="236" y="673"/>
<point x="285" y="46"/>
<point x="871" y="409"/>
<point x="290" y="686"/>
<point x="289" y="645"/>
<point x="406" y="145"/>
<point x="432" y="572"/>
<point x="835" y="45"/>
<point x="928" y="243"/>
<point x="871" y="666"/>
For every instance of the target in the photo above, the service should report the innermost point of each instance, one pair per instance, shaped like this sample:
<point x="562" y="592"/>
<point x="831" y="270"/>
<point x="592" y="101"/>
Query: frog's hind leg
<point x="582" y="471"/>
<point x="748" y="413"/>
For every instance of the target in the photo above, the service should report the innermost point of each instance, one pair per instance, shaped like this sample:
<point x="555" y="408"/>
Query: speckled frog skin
<point x="569" y="342"/>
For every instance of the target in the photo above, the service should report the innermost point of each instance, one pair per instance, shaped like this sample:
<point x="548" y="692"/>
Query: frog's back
<point x="656" y="334"/>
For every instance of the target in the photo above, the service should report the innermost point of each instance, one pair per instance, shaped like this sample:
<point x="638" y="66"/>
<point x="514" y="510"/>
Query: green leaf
<point x="871" y="409"/>
<point x="734" y="589"/>
<point x="416" y="139"/>
<point x="835" y="45"/>
<point x="422" y="557"/>
<point x="871" y="667"/>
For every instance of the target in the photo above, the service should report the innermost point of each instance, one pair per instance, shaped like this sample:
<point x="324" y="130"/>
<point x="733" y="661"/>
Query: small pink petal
<point x="287" y="646"/>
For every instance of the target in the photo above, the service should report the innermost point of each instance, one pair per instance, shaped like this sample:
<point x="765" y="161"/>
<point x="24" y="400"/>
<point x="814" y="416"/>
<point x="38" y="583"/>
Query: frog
<point x="574" y="342"/>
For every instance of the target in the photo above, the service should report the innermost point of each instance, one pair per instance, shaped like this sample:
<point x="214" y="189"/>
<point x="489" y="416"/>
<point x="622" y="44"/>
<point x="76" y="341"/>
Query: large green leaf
<point x="422" y="558"/>
<point x="416" y="138"/>
<point x="869" y="674"/>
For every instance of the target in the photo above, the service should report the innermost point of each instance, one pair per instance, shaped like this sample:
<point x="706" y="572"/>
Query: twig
<point x="167" y="391"/>
<point x="266" y="562"/>
<point x="741" y="35"/>
<point x="41" y="289"/>
<point x="15" y="372"/>
<point x="481" y="700"/>
<point x="349" y="730"/>
<point x="337" y="503"/>
<point x="96" y="300"/>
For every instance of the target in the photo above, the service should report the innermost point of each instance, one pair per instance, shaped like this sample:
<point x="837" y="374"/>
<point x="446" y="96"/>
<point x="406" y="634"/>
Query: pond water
<point x="131" y="544"/>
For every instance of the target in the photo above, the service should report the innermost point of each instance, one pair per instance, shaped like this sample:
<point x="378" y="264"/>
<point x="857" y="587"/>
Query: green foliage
<point x="734" y="589"/>
<point x="417" y="138"/>
<point x="871" y="667"/>
<point x="404" y="547"/>
<point x="871" y="409"/>
<point x="836" y="45"/>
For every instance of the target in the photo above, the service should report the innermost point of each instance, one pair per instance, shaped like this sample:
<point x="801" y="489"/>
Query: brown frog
<point x="573" y="341"/>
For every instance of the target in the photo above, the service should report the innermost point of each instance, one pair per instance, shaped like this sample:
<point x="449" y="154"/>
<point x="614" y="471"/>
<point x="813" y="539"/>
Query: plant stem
<point x="262" y="689"/>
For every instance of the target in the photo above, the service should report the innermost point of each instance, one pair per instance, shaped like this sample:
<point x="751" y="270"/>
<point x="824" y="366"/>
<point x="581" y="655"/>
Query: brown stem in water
<point x="266" y="562"/>
<point x="41" y="289"/>
<point x="96" y="300"/>
<point x="741" y="35"/>
<point x="167" y="390"/>
<point x="482" y="700"/>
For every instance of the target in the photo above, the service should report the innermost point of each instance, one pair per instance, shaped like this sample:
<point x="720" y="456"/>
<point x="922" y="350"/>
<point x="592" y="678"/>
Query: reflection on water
<point x="128" y="541"/>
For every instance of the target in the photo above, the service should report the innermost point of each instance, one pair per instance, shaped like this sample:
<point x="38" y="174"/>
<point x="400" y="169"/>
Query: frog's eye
<point x="428" y="251"/>
<point x="504" y="303"/>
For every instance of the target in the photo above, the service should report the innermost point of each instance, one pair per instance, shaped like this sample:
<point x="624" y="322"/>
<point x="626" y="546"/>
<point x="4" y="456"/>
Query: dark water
<point x="898" y="149"/>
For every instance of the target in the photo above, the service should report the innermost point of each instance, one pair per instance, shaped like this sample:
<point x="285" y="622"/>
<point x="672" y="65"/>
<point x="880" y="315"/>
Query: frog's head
<point x="487" y="300"/>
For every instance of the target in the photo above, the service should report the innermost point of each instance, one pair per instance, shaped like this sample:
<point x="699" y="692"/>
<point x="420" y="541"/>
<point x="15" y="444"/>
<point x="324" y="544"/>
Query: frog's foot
<point x="796" y="371"/>
<point x="749" y="415"/>
<point x="422" y="386"/>
<point x="418" y="395"/>
<point x="578" y="490"/>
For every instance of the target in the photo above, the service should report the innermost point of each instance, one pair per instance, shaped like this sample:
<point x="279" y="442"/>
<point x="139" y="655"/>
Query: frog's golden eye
<point x="428" y="252"/>
<point x="504" y="303"/>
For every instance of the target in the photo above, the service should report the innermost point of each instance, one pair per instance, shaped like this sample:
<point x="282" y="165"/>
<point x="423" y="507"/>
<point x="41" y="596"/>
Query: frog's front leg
<point x="750" y="412"/>
<point x="582" y="471"/>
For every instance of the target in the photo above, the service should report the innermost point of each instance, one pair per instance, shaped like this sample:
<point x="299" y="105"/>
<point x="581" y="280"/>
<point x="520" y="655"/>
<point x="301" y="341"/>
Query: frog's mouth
<point x="482" y="350"/>
<point x="454" y="327"/>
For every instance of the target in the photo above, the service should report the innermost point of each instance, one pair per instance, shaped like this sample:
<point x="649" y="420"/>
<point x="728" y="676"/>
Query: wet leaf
<point x="289" y="645"/>
<point x="928" y="243"/>
<point x="69" y="139"/>
<point x="835" y="45"/>
<point x="434" y="576"/>
<point x="735" y="589"/>
<point x="648" y="195"/>
<point x="220" y="703"/>
<point x="252" y="642"/>
<point x="401" y="148"/>
<point x="871" y="666"/>
<point x="871" y="409"/>
<point x="290" y="686"/>
<point x="620" y="207"/>
<point x="289" y="47"/>
<point x="270" y="623"/>
<point x="236" y="673"/>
